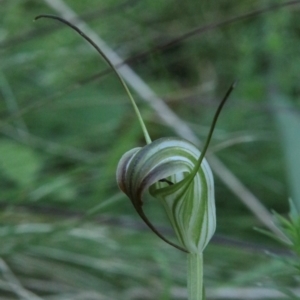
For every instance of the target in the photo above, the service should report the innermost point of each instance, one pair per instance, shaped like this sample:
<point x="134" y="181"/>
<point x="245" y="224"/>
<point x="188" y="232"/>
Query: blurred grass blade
<point x="288" y="122"/>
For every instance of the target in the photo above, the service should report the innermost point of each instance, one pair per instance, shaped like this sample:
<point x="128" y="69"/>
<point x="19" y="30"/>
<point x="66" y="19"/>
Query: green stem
<point x="103" y="55"/>
<point x="195" y="276"/>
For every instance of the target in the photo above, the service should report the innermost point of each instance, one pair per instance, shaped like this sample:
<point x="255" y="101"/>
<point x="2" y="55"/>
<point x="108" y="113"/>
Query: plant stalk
<point x="195" y="276"/>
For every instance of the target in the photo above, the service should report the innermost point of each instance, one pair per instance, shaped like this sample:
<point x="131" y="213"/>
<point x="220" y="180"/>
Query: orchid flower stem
<point x="195" y="276"/>
<point x="102" y="54"/>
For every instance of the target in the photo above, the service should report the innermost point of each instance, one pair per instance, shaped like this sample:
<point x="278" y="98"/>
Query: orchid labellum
<point x="177" y="174"/>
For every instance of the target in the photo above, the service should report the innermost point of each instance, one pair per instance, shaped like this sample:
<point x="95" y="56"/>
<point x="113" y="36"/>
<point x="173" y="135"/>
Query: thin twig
<point x="198" y="31"/>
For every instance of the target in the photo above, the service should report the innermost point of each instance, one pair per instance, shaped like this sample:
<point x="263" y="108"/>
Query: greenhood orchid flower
<point x="188" y="198"/>
<point x="176" y="173"/>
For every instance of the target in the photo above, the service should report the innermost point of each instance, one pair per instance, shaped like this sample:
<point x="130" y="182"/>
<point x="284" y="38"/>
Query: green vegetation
<point x="66" y="231"/>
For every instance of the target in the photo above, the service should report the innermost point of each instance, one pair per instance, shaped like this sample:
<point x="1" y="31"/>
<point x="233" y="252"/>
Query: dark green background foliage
<point x="66" y="232"/>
